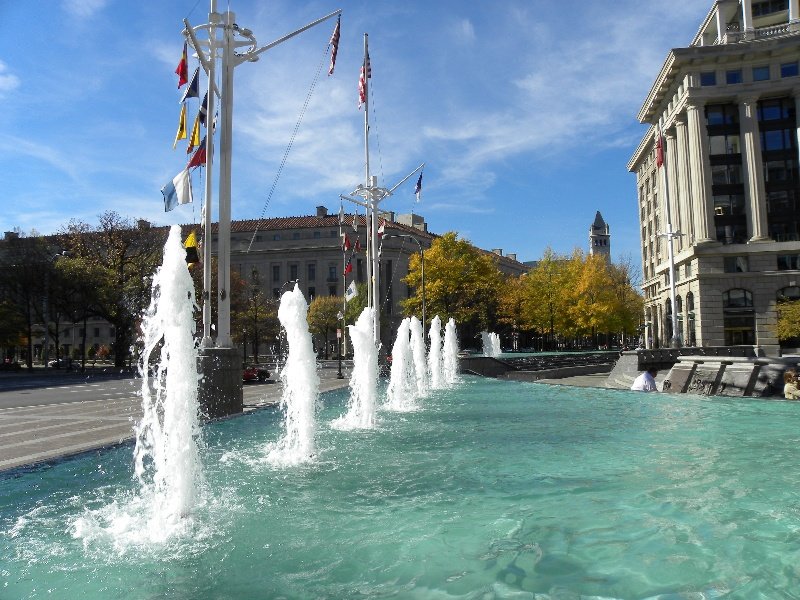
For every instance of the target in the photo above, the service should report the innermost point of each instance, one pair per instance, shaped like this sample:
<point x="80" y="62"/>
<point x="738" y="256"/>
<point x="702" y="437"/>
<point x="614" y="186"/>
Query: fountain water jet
<point x="491" y="344"/>
<point x="300" y="385"/>
<point x="450" y="353"/>
<point x="364" y="378"/>
<point x="166" y="456"/>
<point x="402" y="391"/>
<point x="435" y="359"/>
<point x="420" y="360"/>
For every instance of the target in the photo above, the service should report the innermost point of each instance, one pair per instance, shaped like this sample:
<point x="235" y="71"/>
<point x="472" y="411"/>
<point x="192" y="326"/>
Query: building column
<point x="701" y="173"/>
<point x="747" y="18"/>
<point x="685" y="226"/>
<point x="794" y="11"/>
<point x="754" y="190"/>
<point x="672" y="176"/>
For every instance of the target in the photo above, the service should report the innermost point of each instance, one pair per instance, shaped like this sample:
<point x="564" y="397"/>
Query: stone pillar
<point x="672" y="177"/>
<point x="794" y="11"/>
<point x="701" y="173"/>
<point x="220" y="388"/>
<point x="681" y="140"/>
<point x="754" y="191"/>
<point x="747" y="18"/>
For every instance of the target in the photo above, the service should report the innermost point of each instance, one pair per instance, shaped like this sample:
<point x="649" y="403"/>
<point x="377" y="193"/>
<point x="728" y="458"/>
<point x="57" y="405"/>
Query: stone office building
<point x="727" y="105"/>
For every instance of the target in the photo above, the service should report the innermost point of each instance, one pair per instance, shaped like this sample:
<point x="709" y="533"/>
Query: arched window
<point x="691" y="340"/>
<point x="738" y="317"/>
<point x="679" y="316"/>
<point x="667" y="322"/>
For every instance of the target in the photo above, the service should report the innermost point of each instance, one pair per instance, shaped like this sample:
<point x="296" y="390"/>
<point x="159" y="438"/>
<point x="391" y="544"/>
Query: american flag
<point x="362" y="81"/>
<point x="335" y="44"/>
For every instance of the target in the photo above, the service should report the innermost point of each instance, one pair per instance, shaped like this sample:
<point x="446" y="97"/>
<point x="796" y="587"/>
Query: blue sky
<point x="523" y="111"/>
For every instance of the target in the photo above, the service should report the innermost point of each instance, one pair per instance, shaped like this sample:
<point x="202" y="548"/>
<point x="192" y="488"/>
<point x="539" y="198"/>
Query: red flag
<point x="183" y="68"/>
<point x="199" y="157"/>
<point x="358" y="245"/>
<point x="345" y="242"/>
<point x="660" y="150"/>
<point x="334" y="45"/>
<point x="362" y="81"/>
<point x="349" y="266"/>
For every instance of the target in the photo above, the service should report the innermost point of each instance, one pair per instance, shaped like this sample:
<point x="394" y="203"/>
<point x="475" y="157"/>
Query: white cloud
<point x="8" y="81"/>
<point x="83" y="9"/>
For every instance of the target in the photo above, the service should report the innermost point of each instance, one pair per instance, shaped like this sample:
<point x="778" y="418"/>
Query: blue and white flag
<point x="350" y="293"/>
<point x="418" y="187"/>
<point x="177" y="191"/>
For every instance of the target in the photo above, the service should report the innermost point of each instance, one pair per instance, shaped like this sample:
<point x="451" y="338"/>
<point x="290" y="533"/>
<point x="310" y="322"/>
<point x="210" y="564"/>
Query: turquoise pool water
<point x="493" y="490"/>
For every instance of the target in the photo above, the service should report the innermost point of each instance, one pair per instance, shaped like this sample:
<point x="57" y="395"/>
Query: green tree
<point x="461" y="282"/>
<point x="788" y="325"/>
<point x="124" y="256"/>
<point x="545" y="307"/>
<point x="254" y="316"/>
<point x="323" y="317"/>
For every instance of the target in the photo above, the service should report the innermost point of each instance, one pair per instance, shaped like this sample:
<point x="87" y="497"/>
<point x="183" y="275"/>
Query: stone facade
<point x="727" y="194"/>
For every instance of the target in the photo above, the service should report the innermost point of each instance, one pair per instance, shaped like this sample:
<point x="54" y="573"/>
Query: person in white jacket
<point x="646" y="382"/>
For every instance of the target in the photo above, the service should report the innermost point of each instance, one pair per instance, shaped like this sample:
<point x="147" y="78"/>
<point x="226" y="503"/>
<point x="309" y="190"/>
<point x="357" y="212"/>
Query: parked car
<point x="61" y="363"/>
<point x="255" y="373"/>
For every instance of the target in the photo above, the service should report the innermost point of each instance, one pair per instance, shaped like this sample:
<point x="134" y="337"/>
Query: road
<point x="48" y="417"/>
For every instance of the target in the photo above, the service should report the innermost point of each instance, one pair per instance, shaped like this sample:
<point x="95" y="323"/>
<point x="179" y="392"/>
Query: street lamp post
<point x="339" y="344"/>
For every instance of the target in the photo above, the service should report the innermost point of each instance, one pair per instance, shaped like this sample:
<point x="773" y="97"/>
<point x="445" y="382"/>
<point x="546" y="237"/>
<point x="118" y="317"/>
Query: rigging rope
<point x="291" y="143"/>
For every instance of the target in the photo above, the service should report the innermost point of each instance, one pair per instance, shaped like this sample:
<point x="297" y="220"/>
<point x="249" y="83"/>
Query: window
<point x="788" y="262"/>
<point x="777" y="139"/>
<point x="331" y="290"/>
<point x="761" y="73"/>
<point x="292" y="272"/>
<point x="708" y="78"/>
<point x="724" y="144"/>
<point x="317" y="235"/>
<point x="734" y="76"/>
<point x="775" y="109"/>
<point x="276" y="237"/>
<point x="767" y="7"/>
<point x="788" y="294"/>
<point x="276" y="272"/>
<point x="728" y="204"/>
<point x="736" y="264"/>
<point x="295" y="235"/>
<point x="332" y="274"/>
<point x="789" y="69"/>
<point x="312" y="292"/>
<point x="738" y="317"/>
<point x="312" y="272"/>
<point x="688" y="269"/>
<point x="722" y="114"/>
<point x="333" y="233"/>
<point x="779" y="171"/>
<point x="726" y="174"/>
<point x="96" y="332"/>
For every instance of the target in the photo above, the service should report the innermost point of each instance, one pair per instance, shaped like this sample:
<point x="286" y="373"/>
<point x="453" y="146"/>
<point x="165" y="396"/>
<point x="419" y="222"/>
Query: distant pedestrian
<point x="646" y="382"/>
<point x="790" y="391"/>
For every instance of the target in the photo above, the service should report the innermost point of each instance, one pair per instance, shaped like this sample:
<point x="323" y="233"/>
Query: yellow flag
<point x="181" y="135"/>
<point x="192" y="254"/>
<point x="195" y="139"/>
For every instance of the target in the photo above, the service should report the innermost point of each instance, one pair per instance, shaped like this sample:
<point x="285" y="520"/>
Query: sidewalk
<point x="34" y="435"/>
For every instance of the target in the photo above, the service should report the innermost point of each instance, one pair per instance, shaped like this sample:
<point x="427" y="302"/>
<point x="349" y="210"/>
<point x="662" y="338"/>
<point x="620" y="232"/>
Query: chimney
<point x="512" y="256"/>
<point x="322" y="211"/>
<point x="498" y="251"/>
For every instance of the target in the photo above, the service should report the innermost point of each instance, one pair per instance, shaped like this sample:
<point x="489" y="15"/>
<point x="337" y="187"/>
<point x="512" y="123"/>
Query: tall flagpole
<point x="207" y="342"/>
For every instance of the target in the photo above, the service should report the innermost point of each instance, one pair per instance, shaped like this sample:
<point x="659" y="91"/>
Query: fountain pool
<point x="489" y="490"/>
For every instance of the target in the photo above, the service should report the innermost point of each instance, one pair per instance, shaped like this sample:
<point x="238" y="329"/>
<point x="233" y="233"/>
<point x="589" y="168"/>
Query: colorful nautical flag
<point x="418" y="187"/>
<point x="334" y="44"/>
<point x="381" y="229"/>
<point x="660" y="150"/>
<point x="182" y="71"/>
<point x="193" y="91"/>
<point x="199" y="157"/>
<point x="181" y="134"/>
<point x="177" y="191"/>
<point x="350" y="293"/>
<point x="366" y="73"/>
<point x="194" y="139"/>
<point x="192" y="255"/>
<point x="348" y="268"/>
<point x="345" y="242"/>
<point x="203" y="110"/>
